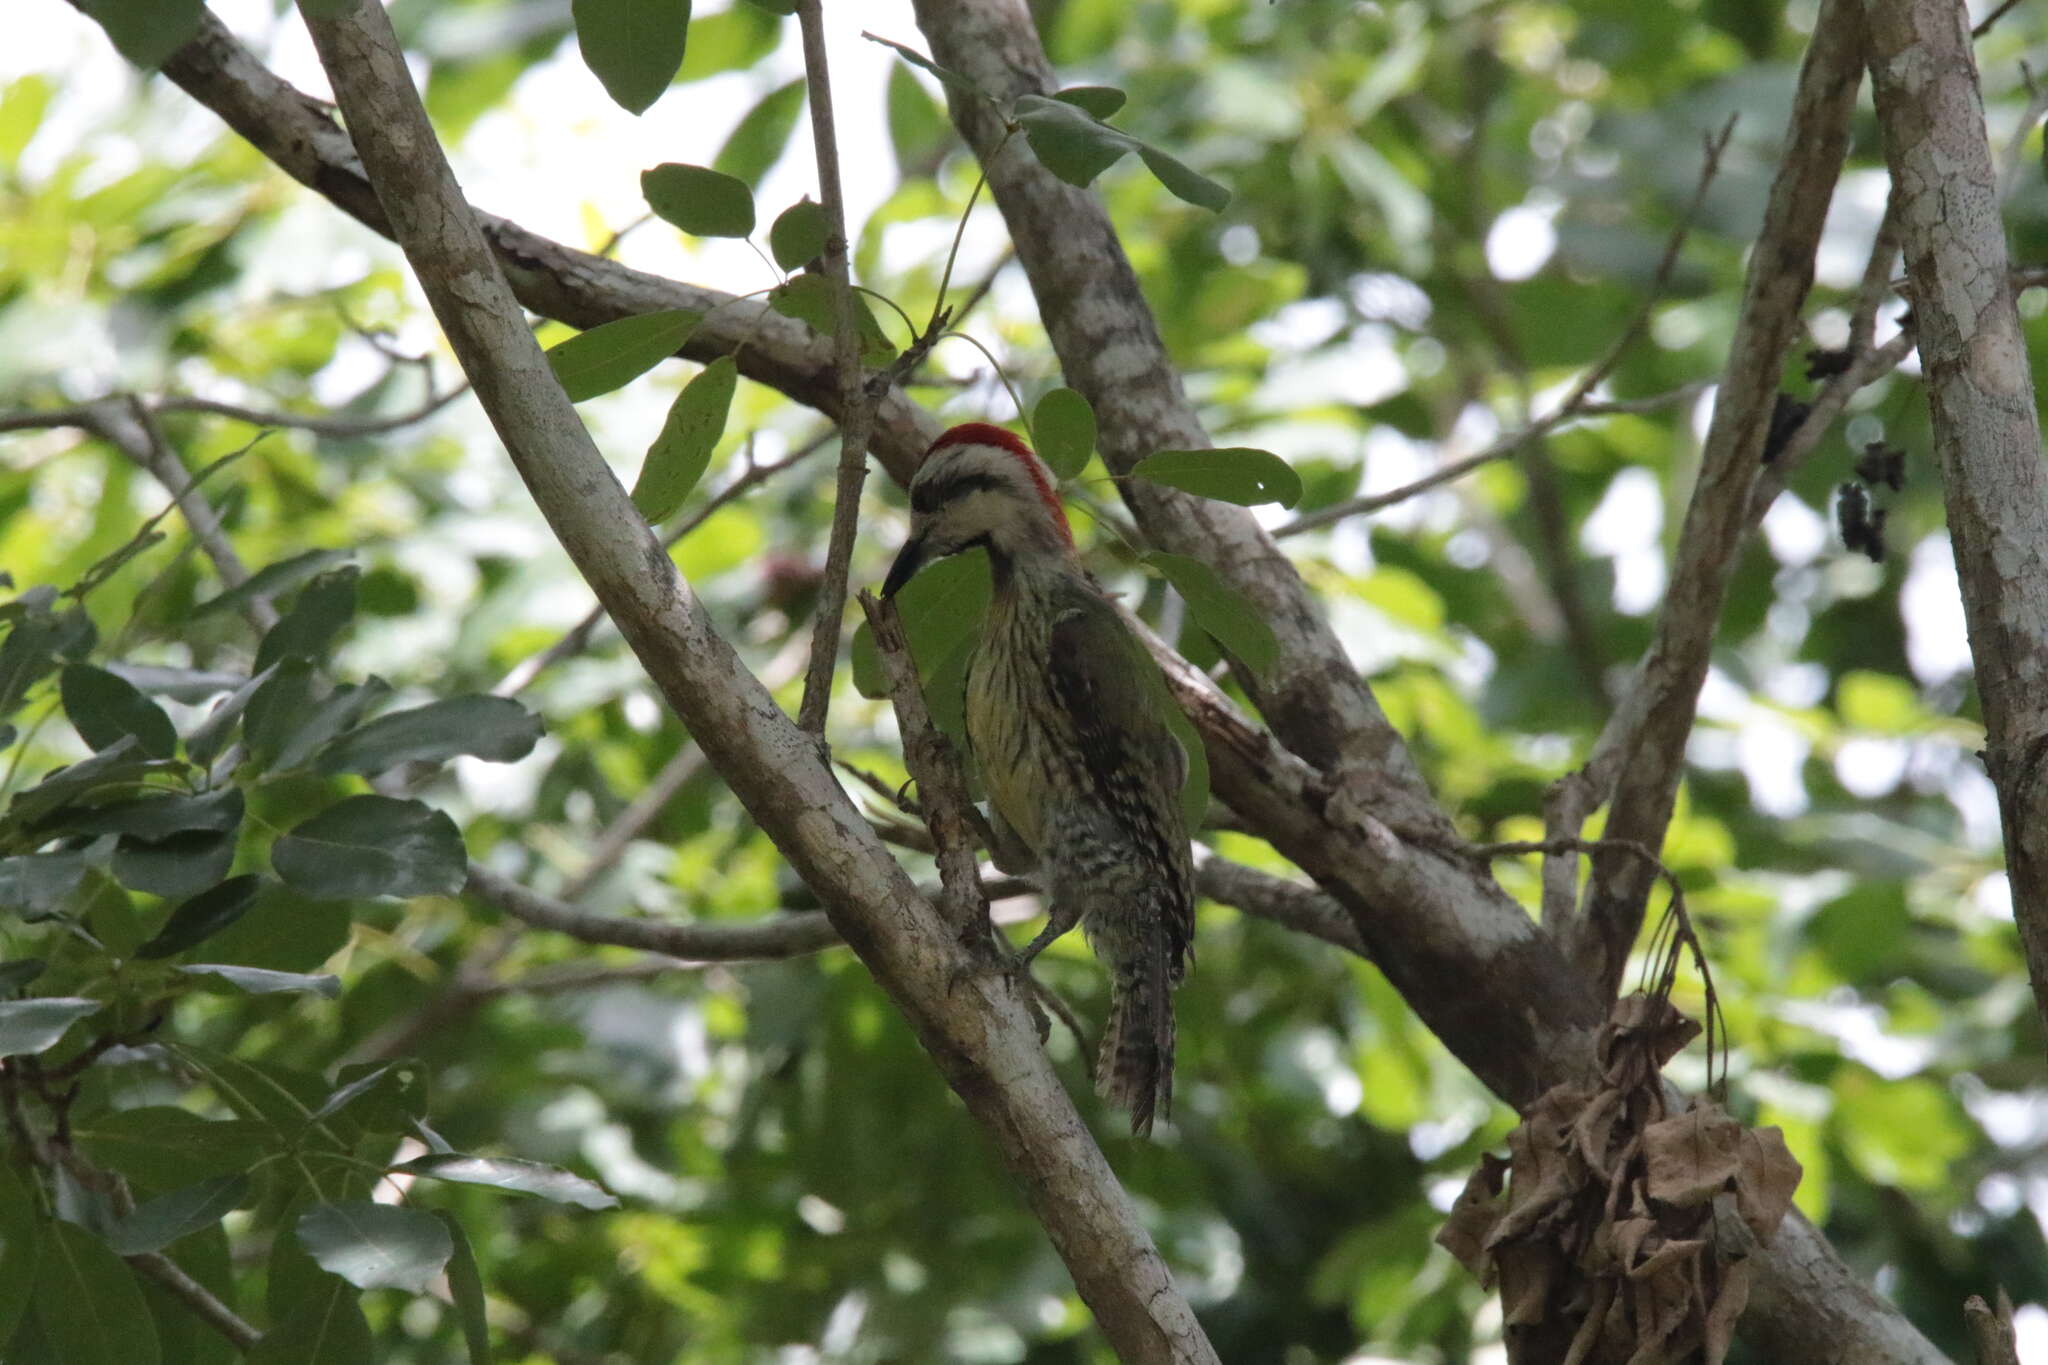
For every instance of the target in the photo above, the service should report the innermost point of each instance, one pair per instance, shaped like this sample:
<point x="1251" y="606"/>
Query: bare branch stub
<point x="942" y="791"/>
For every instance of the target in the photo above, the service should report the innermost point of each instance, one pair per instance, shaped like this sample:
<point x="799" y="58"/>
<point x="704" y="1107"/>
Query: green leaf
<point x="1236" y="474"/>
<point x="147" y="32"/>
<point x="88" y="1304"/>
<point x="119" y="765"/>
<point x="1097" y="101"/>
<point x="181" y="865"/>
<point x="263" y="981"/>
<point x="521" y="1177"/>
<point x="35" y="885"/>
<point x="376" y="1246"/>
<point x="808" y="299"/>
<point x="274" y="580"/>
<point x="373" y="846"/>
<point x="633" y="47"/>
<point x="680" y="455"/>
<point x="110" y="915"/>
<point x="1073" y="146"/>
<point x="22" y="106"/>
<point x="323" y="1327"/>
<point x="203" y="916"/>
<point x="758" y="141"/>
<point x="28" y="1027"/>
<point x="798" y="234"/>
<point x="918" y="59"/>
<point x="104" y="707"/>
<point x="323" y="608"/>
<point x="466" y="1291"/>
<point x="941" y="608"/>
<point x="163" y="1147"/>
<point x="1063" y="426"/>
<point x="1220" y="609"/>
<point x="204" y="744"/>
<point x="20" y="1249"/>
<point x="322" y="722"/>
<point x="1183" y="181"/>
<point x="699" y="200"/>
<point x="494" y="728"/>
<point x="278" y="709"/>
<point x="730" y="40"/>
<point x="918" y="126"/>
<point x="163" y="1220"/>
<point x="160" y="815"/>
<point x="27" y="656"/>
<point x="614" y="354"/>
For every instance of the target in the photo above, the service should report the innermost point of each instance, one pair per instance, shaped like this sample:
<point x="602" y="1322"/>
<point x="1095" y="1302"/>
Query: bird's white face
<point x="970" y="492"/>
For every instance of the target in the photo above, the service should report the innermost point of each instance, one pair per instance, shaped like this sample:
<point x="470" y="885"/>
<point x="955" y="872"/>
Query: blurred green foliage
<point x="1439" y="215"/>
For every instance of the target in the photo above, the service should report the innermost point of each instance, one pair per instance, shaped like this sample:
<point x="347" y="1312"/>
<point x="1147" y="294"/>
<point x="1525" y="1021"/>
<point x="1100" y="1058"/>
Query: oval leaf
<point x="521" y="1177"/>
<point x="263" y="981"/>
<point x="318" y="614"/>
<point x="759" y="139"/>
<point x="147" y="34"/>
<point x="182" y="865"/>
<point x="918" y="59"/>
<point x="1236" y="474"/>
<point x="699" y="200"/>
<point x="1098" y="101"/>
<point x="162" y="1147"/>
<point x="614" y="354"/>
<point x="1183" y="180"/>
<point x="682" y="452"/>
<point x="28" y="1027"/>
<point x="163" y="1220"/>
<point x="633" y="47"/>
<point x="494" y="728"/>
<point x="203" y="916"/>
<point x="1063" y="426"/>
<point x="808" y="299"/>
<point x="105" y="708"/>
<point x="798" y="234"/>
<point x="88" y="1304"/>
<point x="1073" y="146"/>
<point x="1220" y="609"/>
<point x="324" y="1326"/>
<point x="162" y="814"/>
<point x="373" y="846"/>
<point x="376" y="1246"/>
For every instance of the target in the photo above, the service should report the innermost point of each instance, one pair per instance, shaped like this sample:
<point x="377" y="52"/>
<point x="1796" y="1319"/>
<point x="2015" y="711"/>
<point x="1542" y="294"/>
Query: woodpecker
<point x="1066" y="721"/>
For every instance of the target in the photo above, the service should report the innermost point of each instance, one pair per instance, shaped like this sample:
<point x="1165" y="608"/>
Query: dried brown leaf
<point x="1692" y="1156"/>
<point x="1473" y="1216"/>
<point x="1529" y="1272"/>
<point x="1767" y="1177"/>
<point x="1727" y="1308"/>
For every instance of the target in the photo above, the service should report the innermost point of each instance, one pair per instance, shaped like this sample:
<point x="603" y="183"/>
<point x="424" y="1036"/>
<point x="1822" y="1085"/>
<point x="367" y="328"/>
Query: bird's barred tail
<point x="1135" y="1067"/>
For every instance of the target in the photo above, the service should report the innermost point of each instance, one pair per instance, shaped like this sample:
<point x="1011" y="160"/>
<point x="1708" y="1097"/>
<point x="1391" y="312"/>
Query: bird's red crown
<point x="1001" y="438"/>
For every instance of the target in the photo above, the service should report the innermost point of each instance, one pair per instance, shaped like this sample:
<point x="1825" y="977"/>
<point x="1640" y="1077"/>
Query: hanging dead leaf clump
<point x="1620" y="1232"/>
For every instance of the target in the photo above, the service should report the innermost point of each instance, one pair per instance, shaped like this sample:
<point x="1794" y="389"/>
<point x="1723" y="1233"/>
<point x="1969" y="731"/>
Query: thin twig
<point x="197" y="1297"/>
<point x="340" y="427"/>
<point x="1984" y="26"/>
<point x="1501" y="449"/>
<point x="941" y="790"/>
<point x="1574" y="403"/>
<point x="770" y="938"/>
<point x="857" y="410"/>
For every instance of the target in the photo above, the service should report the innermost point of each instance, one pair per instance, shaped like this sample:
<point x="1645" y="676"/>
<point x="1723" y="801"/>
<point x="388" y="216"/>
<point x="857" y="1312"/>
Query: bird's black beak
<point x="909" y="560"/>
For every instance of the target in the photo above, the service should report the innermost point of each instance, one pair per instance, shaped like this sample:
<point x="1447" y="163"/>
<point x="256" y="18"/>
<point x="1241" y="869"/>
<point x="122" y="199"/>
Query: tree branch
<point x="983" y="1039"/>
<point x="1987" y="431"/>
<point x="855" y="405"/>
<point x="196" y="1297"/>
<point x="770" y="939"/>
<point x="1651" y="725"/>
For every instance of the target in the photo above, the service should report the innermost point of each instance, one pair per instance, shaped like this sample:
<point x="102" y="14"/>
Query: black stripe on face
<point x="930" y="497"/>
